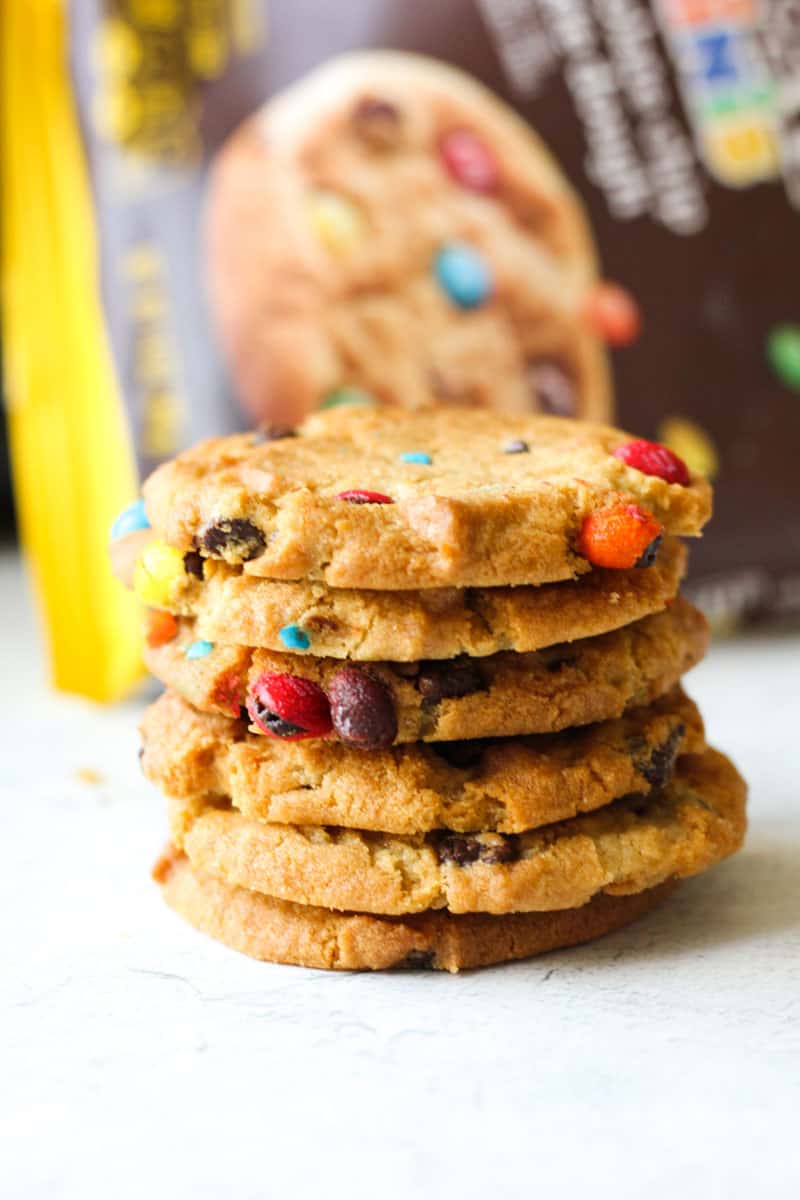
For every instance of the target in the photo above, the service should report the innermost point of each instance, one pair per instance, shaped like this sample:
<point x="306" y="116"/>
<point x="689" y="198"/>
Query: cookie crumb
<point x="90" y="776"/>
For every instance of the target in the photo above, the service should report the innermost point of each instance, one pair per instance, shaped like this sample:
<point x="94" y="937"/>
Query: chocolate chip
<point x="377" y="122"/>
<point x="233" y="538"/>
<point x="419" y="960"/>
<point x="272" y="722"/>
<point x="516" y="446"/>
<point x="273" y="433"/>
<point x="461" y="754"/>
<point x="362" y="709"/>
<point x="552" y="387"/>
<point x="557" y="658"/>
<point x="193" y="563"/>
<point x="458" y="848"/>
<point x="448" y="679"/>
<point x="657" y="769"/>
<point x="501" y="852"/>
<point x="463" y="849"/>
<point x="651" y="553"/>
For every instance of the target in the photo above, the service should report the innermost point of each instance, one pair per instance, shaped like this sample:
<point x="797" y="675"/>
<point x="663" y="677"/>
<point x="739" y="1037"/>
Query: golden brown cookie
<point x="376" y="704"/>
<point x="696" y="819"/>
<point x="229" y="606"/>
<point x="506" y="786"/>
<point x="379" y="499"/>
<point x="388" y="224"/>
<point x="277" y="931"/>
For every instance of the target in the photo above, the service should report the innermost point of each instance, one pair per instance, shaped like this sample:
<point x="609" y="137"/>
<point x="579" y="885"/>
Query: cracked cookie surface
<point x="506" y="786"/>
<point x="342" y="504"/>
<point x="637" y="842"/>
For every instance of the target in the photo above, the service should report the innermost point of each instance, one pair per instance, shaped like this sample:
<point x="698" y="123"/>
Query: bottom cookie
<point x="278" y="931"/>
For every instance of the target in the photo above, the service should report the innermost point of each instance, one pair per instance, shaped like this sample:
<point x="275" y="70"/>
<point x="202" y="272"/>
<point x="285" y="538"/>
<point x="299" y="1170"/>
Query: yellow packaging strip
<point x="72" y="457"/>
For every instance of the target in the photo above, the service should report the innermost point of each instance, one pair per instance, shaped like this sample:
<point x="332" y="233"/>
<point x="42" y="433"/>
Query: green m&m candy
<point x="783" y="352"/>
<point x="345" y="397"/>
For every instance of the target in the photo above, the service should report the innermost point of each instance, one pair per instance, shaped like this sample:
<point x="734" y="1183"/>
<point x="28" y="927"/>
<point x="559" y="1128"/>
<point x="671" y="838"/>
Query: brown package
<point x="671" y="120"/>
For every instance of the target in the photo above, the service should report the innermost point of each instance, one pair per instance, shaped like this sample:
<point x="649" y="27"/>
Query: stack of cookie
<point x="423" y="698"/>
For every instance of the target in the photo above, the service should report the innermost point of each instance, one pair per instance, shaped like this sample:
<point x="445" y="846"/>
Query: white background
<point x="141" y="1059"/>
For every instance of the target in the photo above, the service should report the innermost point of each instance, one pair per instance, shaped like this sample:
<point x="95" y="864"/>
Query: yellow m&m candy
<point x="336" y="221"/>
<point x="159" y="574"/>
<point x="691" y="443"/>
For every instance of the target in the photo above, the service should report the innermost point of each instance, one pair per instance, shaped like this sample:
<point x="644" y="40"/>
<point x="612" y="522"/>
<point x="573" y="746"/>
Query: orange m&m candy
<point x="612" y="313"/>
<point x="620" y="536"/>
<point x="159" y="628"/>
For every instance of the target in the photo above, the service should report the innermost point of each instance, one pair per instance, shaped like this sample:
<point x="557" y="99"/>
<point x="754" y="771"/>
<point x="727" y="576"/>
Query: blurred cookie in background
<point x="386" y="230"/>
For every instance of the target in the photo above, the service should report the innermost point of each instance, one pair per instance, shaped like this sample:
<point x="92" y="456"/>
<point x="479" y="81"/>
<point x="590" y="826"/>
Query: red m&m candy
<point x="469" y="160"/>
<point x="359" y="496"/>
<point x="226" y="693"/>
<point x="651" y="458"/>
<point x="289" y="707"/>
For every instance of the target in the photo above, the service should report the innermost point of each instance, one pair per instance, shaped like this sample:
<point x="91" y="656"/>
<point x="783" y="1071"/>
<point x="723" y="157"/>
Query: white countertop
<point x="141" y="1059"/>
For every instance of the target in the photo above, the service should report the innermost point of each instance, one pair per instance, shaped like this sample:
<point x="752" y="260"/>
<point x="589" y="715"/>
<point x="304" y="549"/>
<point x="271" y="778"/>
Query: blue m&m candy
<point x="294" y="638"/>
<point x="198" y="649"/>
<point x="416" y="456"/>
<point x="463" y="274"/>
<point x="130" y="520"/>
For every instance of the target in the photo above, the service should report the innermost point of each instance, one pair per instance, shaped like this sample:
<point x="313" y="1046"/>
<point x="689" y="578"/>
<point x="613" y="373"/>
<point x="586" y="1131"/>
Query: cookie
<point x="504" y="786"/>
<point x="388" y="227"/>
<point x="405" y="626"/>
<point x="377" y="704"/>
<point x="637" y="842"/>
<point x="350" y="501"/>
<point x="277" y="931"/>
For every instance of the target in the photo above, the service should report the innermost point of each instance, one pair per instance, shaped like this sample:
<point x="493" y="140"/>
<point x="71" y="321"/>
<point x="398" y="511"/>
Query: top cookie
<point x="388" y="225"/>
<point x="376" y="498"/>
